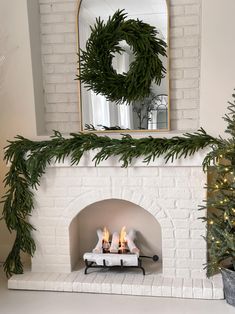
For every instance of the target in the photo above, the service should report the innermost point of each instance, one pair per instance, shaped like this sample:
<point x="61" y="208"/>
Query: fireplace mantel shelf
<point x="87" y="161"/>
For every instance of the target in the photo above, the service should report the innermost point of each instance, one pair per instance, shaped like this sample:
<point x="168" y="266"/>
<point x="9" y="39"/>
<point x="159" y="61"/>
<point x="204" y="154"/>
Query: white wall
<point x="217" y="63"/>
<point x="35" y="44"/>
<point x="16" y="93"/>
<point x="59" y="60"/>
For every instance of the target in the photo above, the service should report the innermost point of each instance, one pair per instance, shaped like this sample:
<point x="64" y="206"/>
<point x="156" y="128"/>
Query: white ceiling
<point x="153" y="12"/>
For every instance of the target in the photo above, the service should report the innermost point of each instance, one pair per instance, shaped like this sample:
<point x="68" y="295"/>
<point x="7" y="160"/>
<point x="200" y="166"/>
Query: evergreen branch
<point x="230" y="118"/>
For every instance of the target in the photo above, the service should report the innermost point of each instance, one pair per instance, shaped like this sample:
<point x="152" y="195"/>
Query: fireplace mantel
<point x="195" y="160"/>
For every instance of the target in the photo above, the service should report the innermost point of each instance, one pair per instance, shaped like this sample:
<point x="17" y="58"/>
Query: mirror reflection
<point x="150" y="113"/>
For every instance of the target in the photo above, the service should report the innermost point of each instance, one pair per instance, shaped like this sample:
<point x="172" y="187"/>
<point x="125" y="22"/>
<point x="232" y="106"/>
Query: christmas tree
<point x="221" y="200"/>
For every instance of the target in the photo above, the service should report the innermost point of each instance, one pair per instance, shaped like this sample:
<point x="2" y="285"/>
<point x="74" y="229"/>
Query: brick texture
<point x="171" y="195"/>
<point x="65" y="191"/>
<point x="58" y="37"/>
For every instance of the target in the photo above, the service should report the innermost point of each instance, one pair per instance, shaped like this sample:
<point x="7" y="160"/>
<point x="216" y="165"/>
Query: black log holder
<point x="88" y="264"/>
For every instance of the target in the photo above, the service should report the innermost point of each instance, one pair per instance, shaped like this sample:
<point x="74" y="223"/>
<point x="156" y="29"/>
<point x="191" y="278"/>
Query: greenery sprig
<point x="28" y="160"/>
<point x="97" y="72"/>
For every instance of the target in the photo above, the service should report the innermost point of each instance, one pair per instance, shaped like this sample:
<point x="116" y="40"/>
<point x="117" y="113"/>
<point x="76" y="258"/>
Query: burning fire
<point x="122" y="240"/>
<point x="119" y="241"/>
<point x="105" y="242"/>
<point x="105" y="235"/>
<point x="123" y="235"/>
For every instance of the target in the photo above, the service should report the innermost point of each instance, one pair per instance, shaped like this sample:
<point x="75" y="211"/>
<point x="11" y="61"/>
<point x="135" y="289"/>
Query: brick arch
<point x="149" y="203"/>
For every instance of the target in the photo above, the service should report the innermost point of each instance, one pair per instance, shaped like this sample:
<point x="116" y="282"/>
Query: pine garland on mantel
<point x="29" y="159"/>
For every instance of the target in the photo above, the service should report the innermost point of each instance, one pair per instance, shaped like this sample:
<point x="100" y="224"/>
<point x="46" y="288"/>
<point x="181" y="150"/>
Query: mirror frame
<point x="168" y="83"/>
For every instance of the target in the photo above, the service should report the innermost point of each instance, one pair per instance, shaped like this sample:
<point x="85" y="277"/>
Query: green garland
<point x="96" y="70"/>
<point x="29" y="159"/>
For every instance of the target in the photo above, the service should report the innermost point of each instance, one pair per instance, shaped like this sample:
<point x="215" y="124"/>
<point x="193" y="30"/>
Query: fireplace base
<point x="124" y="283"/>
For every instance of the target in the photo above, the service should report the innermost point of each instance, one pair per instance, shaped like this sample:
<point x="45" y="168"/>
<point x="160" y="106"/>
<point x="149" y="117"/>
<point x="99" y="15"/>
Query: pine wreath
<point x="96" y="70"/>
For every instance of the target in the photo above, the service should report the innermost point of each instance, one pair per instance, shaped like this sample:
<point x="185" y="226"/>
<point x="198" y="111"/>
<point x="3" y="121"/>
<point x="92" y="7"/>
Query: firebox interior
<point x="114" y="214"/>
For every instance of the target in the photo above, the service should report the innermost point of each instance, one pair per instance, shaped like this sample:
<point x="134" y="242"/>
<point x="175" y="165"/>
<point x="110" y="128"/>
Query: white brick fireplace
<point x="170" y="192"/>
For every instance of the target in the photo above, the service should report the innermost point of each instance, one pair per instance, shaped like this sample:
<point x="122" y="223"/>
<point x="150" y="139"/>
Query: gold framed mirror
<point x="149" y="114"/>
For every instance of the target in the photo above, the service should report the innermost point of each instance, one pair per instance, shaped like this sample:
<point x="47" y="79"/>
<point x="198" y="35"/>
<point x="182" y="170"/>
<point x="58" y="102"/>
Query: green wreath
<point x="96" y="70"/>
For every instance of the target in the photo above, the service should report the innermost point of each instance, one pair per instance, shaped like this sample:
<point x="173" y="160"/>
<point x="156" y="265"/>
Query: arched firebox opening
<point x="115" y="214"/>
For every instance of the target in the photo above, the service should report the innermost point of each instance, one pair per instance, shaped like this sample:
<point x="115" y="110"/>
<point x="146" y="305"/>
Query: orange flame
<point x="123" y="235"/>
<point x="106" y="235"/>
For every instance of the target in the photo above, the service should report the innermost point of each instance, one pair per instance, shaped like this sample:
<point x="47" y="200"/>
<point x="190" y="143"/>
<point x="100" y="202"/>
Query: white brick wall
<point x="58" y="36"/>
<point x="168" y="193"/>
<point x="59" y="59"/>
<point x="185" y="63"/>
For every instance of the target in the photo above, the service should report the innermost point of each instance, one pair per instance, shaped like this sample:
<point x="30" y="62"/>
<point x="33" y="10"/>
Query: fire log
<point x="130" y="237"/>
<point x="115" y="243"/>
<point x="112" y="259"/>
<point x="99" y="245"/>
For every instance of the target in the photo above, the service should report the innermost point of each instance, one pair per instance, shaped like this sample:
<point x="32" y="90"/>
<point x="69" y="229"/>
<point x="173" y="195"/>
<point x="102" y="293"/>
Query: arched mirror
<point x="150" y="113"/>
